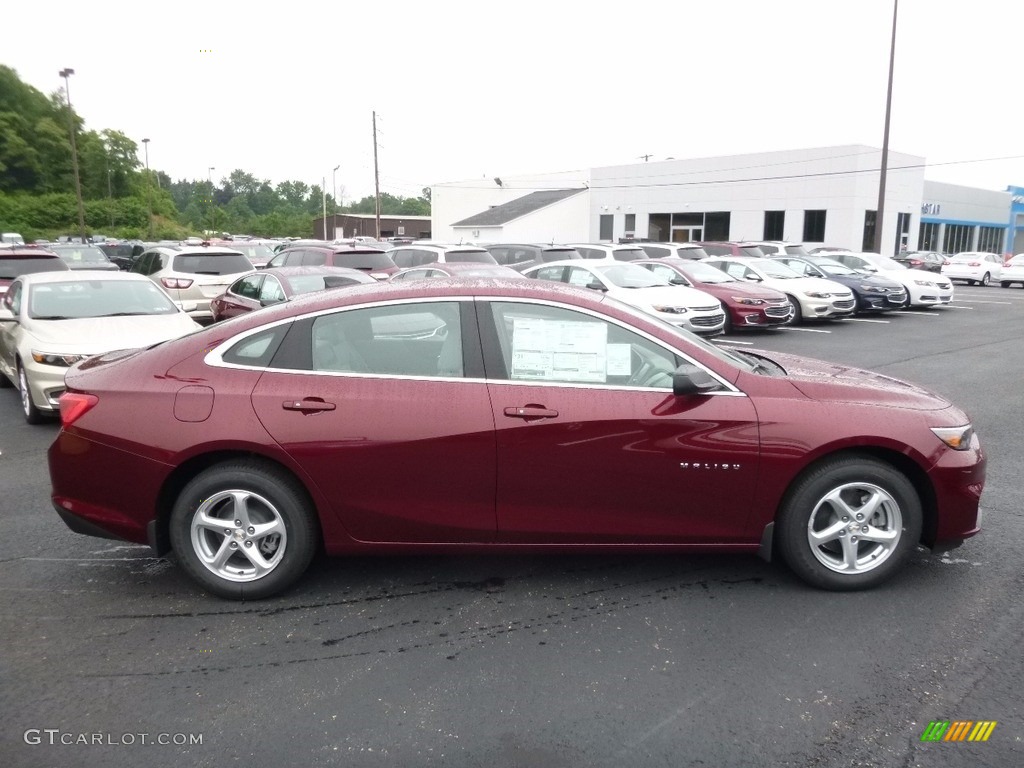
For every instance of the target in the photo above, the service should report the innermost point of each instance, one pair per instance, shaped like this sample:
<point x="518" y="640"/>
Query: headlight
<point x="671" y="310"/>
<point x="926" y="283"/>
<point x="957" y="438"/>
<point x="50" y="358"/>
<point x="818" y="295"/>
<point x="748" y="301"/>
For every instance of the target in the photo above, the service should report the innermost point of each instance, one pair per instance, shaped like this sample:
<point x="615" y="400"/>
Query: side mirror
<point x="269" y="302"/>
<point x="753" y="279"/>
<point x="691" y="380"/>
<point x="680" y="281"/>
<point x="596" y="286"/>
<point x="6" y="316"/>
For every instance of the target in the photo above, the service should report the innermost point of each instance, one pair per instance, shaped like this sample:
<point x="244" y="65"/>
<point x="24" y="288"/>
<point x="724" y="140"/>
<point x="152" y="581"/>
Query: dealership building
<point x="825" y="196"/>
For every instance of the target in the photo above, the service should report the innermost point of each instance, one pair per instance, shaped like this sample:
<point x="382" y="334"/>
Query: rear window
<point x="476" y="257"/>
<point x="693" y="253"/>
<point x="210" y="263"/>
<point x="82" y="253"/>
<point x="752" y="250"/>
<point x="628" y="254"/>
<point x="11" y="268"/>
<point x="364" y="260"/>
<point x="796" y="250"/>
<point x="718" y="250"/>
<point x="557" y="254"/>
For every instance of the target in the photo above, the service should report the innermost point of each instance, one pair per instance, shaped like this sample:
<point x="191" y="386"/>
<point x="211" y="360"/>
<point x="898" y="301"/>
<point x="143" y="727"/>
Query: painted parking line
<point x="954" y="306"/>
<point x="916" y="313"/>
<point x="864" y="320"/>
<point x="805" y="330"/>
<point x="732" y="341"/>
<point x="982" y="301"/>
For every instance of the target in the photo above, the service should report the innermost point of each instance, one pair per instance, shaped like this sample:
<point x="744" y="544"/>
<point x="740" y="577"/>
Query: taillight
<point x="73" y="405"/>
<point x="175" y="282"/>
<point x="974" y="264"/>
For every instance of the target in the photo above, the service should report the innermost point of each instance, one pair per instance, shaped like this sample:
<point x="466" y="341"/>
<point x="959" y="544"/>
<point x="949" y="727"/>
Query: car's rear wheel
<point x="849" y="523"/>
<point x="798" y="314"/>
<point x="32" y="414"/>
<point x="243" y="530"/>
<point x="986" y="279"/>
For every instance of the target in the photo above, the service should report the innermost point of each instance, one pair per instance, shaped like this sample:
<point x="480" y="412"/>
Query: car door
<point x="593" y="446"/>
<point x="386" y="410"/>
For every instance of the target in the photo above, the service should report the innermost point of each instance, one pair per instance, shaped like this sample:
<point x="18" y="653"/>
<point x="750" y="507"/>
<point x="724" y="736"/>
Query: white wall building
<point x="827" y="196"/>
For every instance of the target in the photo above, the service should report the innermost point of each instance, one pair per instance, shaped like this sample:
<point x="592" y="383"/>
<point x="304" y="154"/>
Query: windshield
<point x="257" y="253"/>
<point x="11" y="268"/>
<point x="705" y="273"/>
<point x="630" y="276"/>
<point x="97" y="298"/>
<point x="834" y="267"/>
<point x="310" y="283"/>
<point x="884" y="262"/>
<point x="363" y="260"/>
<point x="477" y="257"/>
<point x="775" y="269"/>
<point x="80" y="253"/>
<point x="211" y="263"/>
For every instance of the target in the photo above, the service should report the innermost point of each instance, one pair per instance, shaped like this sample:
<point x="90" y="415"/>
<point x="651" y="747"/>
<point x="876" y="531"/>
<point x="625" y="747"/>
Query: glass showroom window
<point x="990" y="239"/>
<point x="928" y="237"/>
<point x="774" y="224"/>
<point x="958" y="238"/>
<point x="814" y="226"/>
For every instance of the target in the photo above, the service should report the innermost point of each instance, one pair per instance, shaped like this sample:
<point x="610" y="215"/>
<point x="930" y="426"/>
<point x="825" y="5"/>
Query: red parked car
<point x="747" y="305"/>
<point x="272" y="286"/>
<point x="492" y="415"/>
<point x="373" y="261"/>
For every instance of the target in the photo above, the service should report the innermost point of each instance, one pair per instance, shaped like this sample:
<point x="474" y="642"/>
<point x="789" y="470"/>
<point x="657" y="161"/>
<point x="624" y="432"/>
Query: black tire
<point x="266" y="497"/>
<point x="32" y="414"/>
<point x="986" y="279"/>
<point x="1004" y="284"/>
<point x="798" y="314"/>
<point x="854" y="480"/>
<point x="5" y="383"/>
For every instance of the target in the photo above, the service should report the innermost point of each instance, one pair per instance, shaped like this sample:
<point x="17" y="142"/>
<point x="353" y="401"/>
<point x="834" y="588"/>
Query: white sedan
<point x="51" y="320"/>
<point x="1013" y="272"/>
<point x="925" y="289"/>
<point x="974" y="266"/>
<point x="810" y="297"/>
<point x="683" y="307"/>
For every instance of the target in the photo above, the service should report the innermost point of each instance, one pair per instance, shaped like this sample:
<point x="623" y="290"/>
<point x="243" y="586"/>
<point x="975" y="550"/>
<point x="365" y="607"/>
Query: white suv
<point x="417" y="254"/>
<point x="610" y="252"/>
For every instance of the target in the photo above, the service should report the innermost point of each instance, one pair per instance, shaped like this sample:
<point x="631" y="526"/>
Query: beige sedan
<point x="51" y="320"/>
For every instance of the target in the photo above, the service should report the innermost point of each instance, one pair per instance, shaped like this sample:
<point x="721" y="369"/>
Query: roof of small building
<point x="514" y="209"/>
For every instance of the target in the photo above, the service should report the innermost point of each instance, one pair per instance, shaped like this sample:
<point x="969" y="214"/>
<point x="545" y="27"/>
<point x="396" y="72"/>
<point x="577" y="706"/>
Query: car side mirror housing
<point x="691" y="380"/>
<point x="596" y="286"/>
<point x="269" y="302"/>
<point x="753" y="279"/>
<point x="6" y="316"/>
<point x="189" y="306"/>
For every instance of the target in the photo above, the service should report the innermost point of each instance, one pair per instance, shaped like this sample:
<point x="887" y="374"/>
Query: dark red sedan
<point x="272" y="286"/>
<point x="747" y="305"/>
<point x="493" y="415"/>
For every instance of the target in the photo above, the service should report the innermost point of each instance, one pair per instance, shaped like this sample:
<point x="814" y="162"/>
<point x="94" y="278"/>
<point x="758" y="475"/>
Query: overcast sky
<point x="468" y="90"/>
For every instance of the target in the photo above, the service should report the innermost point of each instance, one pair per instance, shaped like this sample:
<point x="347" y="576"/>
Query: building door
<point x="687" y="234"/>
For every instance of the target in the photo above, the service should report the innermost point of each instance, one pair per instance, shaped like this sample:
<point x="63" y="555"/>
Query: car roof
<point x="27" y="252"/>
<point x="334" y="248"/>
<point x="197" y="250"/>
<point x="81" y="275"/>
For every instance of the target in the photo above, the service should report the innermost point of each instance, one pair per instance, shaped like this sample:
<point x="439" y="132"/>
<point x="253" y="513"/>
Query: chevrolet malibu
<point x="501" y="415"/>
<point x="50" y="320"/>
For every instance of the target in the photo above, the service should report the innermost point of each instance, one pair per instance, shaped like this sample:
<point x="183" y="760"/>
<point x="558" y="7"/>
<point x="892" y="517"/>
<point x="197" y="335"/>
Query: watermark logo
<point x="958" y="730"/>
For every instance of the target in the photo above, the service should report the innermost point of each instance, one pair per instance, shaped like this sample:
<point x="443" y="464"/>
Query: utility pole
<point x="149" y="189"/>
<point x="334" y="200"/>
<point x="209" y="178"/>
<point x="66" y="73"/>
<point x="323" y="197"/>
<point x="376" y="175"/>
<point x="880" y="213"/>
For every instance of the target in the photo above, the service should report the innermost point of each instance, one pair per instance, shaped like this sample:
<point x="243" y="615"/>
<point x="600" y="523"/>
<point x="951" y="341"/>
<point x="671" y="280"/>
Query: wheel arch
<point x="158" y="531"/>
<point x="899" y="461"/>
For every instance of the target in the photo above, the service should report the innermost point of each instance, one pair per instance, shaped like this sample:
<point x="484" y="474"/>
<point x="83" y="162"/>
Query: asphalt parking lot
<point x="547" y="661"/>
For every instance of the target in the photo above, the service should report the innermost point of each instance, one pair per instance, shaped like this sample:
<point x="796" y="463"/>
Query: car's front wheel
<point x="32" y="414"/>
<point x="797" y="317"/>
<point x="243" y="530"/>
<point x="986" y="279"/>
<point x="849" y="523"/>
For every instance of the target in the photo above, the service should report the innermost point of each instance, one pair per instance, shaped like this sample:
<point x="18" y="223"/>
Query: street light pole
<point x="209" y="177"/>
<point x="880" y="214"/>
<point x="149" y="188"/>
<point x="66" y="73"/>
<point x="334" y="198"/>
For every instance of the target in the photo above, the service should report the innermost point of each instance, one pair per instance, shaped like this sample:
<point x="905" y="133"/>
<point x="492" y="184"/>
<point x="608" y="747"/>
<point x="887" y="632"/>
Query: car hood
<point x="824" y="381"/>
<point x="94" y="335"/>
<point x="748" y="290"/>
<point x="806" y="284"/>
<point x="668" y="295"/>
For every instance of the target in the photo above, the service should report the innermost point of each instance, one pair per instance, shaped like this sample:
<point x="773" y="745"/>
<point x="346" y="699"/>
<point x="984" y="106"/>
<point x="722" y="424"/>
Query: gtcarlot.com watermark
<point x="55" y="736"/>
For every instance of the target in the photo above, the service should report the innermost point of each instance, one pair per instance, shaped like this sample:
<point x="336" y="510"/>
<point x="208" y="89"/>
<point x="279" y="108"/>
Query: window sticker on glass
<point x="559" y="350"/>
<point x="581" y="278"/>
<point x="618" y="361"/>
